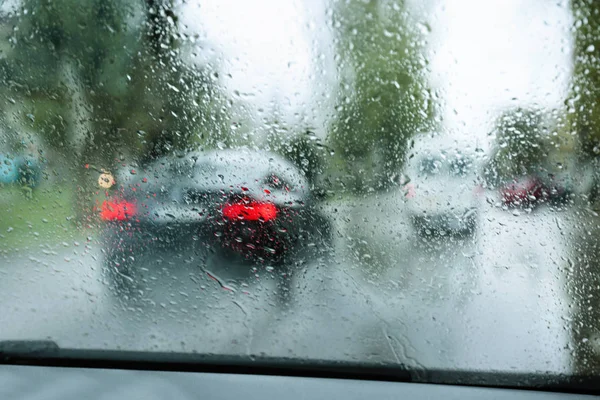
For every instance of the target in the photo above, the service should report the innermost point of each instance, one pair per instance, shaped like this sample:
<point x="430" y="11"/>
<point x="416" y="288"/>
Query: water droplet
<point x="215" y="278"/>
<point x="173" y="88"/>
<point x="425" y="28"/>
<point x="270" y="250"/>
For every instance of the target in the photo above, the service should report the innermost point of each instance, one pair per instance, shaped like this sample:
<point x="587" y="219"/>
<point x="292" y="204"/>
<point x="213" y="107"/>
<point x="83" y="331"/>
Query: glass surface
<point x="373" y="181"/>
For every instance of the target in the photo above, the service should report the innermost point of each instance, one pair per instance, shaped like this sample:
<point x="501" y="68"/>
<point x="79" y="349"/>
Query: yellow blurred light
<point x="106" y="180"/>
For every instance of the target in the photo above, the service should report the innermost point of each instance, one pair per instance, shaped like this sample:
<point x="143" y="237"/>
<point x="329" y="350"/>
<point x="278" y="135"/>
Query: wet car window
<point x="461" y="166"/>
<point x="194" y="196"/>
<point x="405" y="182"/>
<point x="275" y="182"/>
<point x="430" y="166"/>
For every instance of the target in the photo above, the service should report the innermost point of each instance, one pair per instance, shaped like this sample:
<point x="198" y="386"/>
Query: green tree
<point x="583" y="127"/>
<point x="102" y="82"/>
<point x="120" y="61"/>
<point x="584" y="102"/>
<point x="384" y="99"/>
<point x="307" y="152"/>
<point x="520" y="145"/>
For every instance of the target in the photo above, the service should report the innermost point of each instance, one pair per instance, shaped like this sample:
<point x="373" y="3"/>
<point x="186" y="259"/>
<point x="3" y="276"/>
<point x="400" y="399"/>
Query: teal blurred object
<point x="29" y="171"/>
<point x="9" y="169"/>
<point x="23" y="170"/>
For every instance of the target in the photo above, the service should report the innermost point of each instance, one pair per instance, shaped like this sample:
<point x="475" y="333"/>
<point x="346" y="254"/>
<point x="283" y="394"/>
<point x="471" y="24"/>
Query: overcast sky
<point x="489" y="55"/>
<point x="485" y="55"/>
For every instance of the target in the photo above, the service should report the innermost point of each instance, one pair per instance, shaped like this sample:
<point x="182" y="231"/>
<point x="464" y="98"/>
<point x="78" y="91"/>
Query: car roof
<point x="245" y="164"/>
<point x="220" y="168"/>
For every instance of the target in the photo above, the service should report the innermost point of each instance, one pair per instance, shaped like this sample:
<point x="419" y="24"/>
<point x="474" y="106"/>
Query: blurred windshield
<point x="404" y="182"/>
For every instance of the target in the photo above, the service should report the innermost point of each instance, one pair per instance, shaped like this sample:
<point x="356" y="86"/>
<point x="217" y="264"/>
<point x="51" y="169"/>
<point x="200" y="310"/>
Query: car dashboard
<point x="35" y="382"/>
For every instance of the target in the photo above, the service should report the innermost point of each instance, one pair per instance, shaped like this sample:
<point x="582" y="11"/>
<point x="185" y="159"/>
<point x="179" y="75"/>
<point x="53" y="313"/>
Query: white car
<point x="443" y="193"/>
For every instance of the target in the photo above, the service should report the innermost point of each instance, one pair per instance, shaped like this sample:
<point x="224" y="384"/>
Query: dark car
<point x="523" y="192"/>
<point x="533" y="190"/>
<point x="248" y="205"/>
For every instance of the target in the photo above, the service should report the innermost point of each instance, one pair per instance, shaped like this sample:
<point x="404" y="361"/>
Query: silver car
<point x="443" y="193"/>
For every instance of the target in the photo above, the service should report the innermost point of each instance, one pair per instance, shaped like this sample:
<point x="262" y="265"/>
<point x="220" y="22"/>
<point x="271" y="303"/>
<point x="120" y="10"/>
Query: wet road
<point x="497" y="300"/>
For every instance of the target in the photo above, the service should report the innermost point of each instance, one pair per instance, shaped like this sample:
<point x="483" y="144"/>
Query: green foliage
<point x="111" y="68"/>
<point x="385" y="99"/>
<point x="307" y="152"/>
<point x="103" y="82"/>
<point x="31" y="218"/>
<point x="521" y="145"/>
<point x="584" y="120"/>
<point x="585" y="97"/>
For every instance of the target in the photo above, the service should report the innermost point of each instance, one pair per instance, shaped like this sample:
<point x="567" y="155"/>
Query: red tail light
<point x="117" y="210"/>
<point x="252" y="211"/>
<point x="410" y="190"/>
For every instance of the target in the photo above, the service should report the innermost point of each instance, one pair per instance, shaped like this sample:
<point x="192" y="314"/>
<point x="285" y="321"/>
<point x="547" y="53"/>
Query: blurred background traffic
<point x="447" y="155"/>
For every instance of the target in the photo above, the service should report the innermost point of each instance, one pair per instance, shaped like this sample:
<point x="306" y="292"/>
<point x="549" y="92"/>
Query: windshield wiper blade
<point x="11" y="348"/>
<point x="48" y="353"/>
